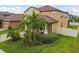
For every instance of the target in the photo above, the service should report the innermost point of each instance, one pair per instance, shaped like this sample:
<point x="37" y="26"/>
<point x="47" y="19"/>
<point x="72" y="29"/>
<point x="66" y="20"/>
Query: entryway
<point x="0" y="23"/>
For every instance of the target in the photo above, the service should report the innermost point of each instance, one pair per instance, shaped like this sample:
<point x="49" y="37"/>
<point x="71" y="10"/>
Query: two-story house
<point x="56" y="18"/>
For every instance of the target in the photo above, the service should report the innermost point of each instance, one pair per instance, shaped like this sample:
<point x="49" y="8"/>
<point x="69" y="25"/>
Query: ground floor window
<point x="42" y="30"/>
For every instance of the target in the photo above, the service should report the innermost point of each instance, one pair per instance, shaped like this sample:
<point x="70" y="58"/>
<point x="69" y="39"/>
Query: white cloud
<point x="74" y="10"/>
<point x="12" y="9"/>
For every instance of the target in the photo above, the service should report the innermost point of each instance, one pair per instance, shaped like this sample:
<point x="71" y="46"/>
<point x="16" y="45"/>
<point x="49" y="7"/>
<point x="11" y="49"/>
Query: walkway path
<point x="1" y="51"/>
<point x="3" y="37"/>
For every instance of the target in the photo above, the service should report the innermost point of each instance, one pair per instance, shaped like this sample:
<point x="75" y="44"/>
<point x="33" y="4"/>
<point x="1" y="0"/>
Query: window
<point x="54" y="13"/>
<point x="41" y="28"/>
<point x="61" y="16"/>
<point x="61" y="24"/>
<point x="65" y="16"/>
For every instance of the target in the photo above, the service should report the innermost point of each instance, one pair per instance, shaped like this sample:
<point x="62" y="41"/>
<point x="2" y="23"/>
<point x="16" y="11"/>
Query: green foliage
<point x="48" y="38"/>
<point x="3" y="32"/>
<point x="63" y="44"/>
<point x="14" y="34"/>
<point x="28" y="38"/>
<point x="33" y="23"/>
<point x="76" y="18"/>
<point x="73" y="27"/>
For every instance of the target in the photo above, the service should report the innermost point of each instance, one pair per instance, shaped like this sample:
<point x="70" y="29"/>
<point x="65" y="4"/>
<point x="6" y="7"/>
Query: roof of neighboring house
<point x="1" y="13"/>
<point x="14" y="17"/>
<point x="49" y="8"/>
<point x="7" y="17"/>
<point x="49" y="19"/>
<point x="1" y="17"/>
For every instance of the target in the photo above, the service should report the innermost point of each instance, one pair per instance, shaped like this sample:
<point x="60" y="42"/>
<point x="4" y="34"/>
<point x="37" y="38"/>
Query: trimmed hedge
<point x="46" y="39"/>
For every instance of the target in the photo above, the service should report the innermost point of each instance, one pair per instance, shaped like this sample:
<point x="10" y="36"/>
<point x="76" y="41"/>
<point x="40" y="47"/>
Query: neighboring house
<point x="71" y="18"/>
<point x="56" y="18"/>
<point x="9" y="19"/>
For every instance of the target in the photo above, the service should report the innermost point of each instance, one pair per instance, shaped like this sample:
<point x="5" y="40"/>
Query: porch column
<point x="25" y="27"/>
<point x="25" y="24"/>
<point x="45" y="31"/>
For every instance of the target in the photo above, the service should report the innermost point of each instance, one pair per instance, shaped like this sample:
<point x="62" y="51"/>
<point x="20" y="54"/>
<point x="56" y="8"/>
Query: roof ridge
<point x="51" y="8"/>
<point x="29" y="8"/>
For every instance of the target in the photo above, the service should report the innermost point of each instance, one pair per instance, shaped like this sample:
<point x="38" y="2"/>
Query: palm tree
<point x="33" y="23"/>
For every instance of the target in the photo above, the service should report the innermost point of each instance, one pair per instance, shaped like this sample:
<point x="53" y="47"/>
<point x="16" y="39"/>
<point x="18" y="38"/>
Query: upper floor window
<point x="61" y="24"/>
<point x="65" y="16"/>
<point x="61" y="16"/>
<point x="54" y="13"/>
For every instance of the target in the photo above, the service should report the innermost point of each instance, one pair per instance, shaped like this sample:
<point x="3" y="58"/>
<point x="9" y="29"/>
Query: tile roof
<point x="49" y="19"/>
<point x="14" y="17"/>
<point x="49" y="8"/>
<point x="46" y="8"/>
<point x="1" y="17"/>
<point x="6" y="16"/>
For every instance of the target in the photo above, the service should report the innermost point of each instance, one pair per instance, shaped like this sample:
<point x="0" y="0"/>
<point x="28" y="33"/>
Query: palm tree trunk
<point x="34" y="36"/>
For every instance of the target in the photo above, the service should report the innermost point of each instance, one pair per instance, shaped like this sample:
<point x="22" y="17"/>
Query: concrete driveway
<point x="1" y="51"/>
<point x="3" y="37"/>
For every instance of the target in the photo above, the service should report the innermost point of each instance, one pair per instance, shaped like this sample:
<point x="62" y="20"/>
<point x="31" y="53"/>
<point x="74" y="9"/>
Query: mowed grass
<point x="62" y="44"/>
<point x="3" y="32"/>
<point x="73" y="27"/>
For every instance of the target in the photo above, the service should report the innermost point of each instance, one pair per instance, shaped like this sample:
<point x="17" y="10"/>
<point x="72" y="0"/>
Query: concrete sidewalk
<point x="1" y="51"/>
<point x="3" y="38"/>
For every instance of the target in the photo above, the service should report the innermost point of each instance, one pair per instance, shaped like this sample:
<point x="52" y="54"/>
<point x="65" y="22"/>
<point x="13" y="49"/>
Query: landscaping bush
<point x="14" y="34"/>
<point x="46" y="39"/>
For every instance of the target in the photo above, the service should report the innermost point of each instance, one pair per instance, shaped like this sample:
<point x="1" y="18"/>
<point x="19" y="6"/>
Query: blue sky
<point x="72" y="9"/>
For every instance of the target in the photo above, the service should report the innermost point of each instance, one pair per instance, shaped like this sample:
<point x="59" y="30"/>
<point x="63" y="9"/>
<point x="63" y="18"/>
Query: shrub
<point x="14" y="34"/>
<point x="28" y="38"/>
<point x="45" y="39"/>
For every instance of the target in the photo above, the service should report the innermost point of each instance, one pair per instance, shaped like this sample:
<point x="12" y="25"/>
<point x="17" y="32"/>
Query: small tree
<point x="33" y="23"/>
<point x="76" y="18"/>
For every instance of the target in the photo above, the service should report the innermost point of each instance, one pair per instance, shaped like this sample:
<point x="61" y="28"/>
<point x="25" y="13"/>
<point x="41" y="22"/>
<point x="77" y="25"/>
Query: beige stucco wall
<point x="5" y="24"/>
<point x="57" y="16"/>
<point x="52" y="27"/>
<point x="49" y="27"/>
<point x="13" y="24"/>
<point x="30" y="10"/>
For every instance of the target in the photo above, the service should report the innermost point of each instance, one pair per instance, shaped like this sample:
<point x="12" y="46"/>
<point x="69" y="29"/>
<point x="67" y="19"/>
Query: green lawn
<point x="3" y="32"/>
<point x="72" y="26"/>
<point x="63" y="44"/>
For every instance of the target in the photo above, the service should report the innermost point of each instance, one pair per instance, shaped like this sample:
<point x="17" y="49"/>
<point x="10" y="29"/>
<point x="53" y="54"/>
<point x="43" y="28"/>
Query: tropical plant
<point x="33" y="23"/>
<point x="76" y="18"/>
<point x="14" y="34"/>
